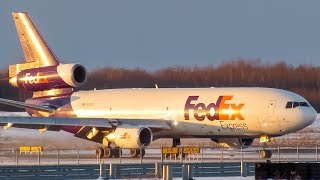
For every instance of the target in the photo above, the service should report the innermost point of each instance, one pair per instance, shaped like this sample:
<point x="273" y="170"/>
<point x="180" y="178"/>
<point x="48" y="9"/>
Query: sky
<point x="155" y="34"/>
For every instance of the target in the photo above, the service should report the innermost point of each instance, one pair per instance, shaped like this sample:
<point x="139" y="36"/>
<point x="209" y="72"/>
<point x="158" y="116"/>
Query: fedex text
<point x="37" y="79"/>
<point x="222" y="109"/>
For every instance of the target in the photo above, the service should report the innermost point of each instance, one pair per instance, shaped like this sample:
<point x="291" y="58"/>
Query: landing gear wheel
<point x="108" y="152"/>
<point x="183" y="155"/>
<point x="265" y="154"/>
<point x="99" y="152"/>
<point x="134" y="152"/>
<point x="116" y="152"/>
<point x="176" y="142"/>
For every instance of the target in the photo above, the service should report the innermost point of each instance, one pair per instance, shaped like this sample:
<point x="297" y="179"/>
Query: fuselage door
<point x="269" y="119"/>
<point x="271" y="108"/>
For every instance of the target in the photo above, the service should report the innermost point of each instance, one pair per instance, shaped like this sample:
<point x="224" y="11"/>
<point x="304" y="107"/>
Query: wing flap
<point x="151" y="123"/>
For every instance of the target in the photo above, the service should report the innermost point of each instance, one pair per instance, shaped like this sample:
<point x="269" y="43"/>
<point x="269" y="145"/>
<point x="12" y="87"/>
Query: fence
<point x="87" y="156"/>
<point x="120" y="171"/>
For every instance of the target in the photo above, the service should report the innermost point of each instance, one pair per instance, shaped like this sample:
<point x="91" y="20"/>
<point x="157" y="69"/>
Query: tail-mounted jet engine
<point x="130" y="137"/>
<point x="50" y="77"/>
<point x="234" y="142"/>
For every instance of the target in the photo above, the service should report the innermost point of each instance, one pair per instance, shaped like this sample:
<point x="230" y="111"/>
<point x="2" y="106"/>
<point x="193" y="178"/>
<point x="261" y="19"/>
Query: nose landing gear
<point x="265" y="153"/>
<point x="175" y="143"/>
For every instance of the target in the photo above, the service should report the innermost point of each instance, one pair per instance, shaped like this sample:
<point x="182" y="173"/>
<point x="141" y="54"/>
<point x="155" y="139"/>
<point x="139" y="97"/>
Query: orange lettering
<point x="236" y="112"/>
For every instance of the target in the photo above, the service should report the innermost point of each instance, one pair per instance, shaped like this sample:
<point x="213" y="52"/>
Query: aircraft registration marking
<point x="233" y="126"/>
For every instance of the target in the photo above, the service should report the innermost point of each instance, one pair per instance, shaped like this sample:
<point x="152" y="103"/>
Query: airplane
<point x="133" y="118"/>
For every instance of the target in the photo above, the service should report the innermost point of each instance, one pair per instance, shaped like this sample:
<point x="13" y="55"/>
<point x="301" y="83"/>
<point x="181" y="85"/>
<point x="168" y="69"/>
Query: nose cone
<point x="298" y="118"/>
<point x="309" y="116"/>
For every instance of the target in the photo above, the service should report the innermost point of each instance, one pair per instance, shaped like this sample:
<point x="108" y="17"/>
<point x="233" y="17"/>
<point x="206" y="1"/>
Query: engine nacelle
<point x="131" y="137"/>
<point x="51" y="77"/>
<point x="234" y="142"/>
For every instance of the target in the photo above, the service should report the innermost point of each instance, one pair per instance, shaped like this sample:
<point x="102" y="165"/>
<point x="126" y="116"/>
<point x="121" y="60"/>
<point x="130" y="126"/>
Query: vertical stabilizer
<point x="37" y="53"/>
<point x="42" y="73"/>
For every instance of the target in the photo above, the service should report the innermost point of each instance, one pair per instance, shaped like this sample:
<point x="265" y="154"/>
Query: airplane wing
<point x="87" y="125"/>
<point x="54" y="121"/>
<point x="81" y="122"/>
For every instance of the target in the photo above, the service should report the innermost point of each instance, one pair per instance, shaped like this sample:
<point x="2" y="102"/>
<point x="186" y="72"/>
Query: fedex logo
<point x="125" y="136"/>
<point x="37" y="79"/>
<point x="220" y="110"/>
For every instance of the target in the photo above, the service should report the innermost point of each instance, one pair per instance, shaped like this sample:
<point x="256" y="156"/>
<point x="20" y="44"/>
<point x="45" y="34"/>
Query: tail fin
<point x="41" y="74"/>
<point x="37" y="53"/>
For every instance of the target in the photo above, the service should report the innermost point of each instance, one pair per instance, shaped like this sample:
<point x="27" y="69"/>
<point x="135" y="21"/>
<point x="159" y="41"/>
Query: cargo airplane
<point x="132" y="118"/>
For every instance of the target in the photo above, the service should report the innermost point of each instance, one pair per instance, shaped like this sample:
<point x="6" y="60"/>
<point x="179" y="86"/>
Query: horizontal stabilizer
<point x="25" y="105"/>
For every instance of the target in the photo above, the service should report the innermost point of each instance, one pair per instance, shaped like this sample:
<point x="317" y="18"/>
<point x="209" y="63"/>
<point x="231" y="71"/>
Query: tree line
<point x="302" y="79"/>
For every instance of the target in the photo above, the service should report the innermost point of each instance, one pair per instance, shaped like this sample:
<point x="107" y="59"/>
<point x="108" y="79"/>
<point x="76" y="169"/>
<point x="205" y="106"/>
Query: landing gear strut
<point x="175" y="143"/>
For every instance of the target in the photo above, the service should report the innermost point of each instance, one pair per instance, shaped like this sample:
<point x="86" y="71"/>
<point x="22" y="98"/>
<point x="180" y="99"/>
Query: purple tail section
<point x="41" y="73"/>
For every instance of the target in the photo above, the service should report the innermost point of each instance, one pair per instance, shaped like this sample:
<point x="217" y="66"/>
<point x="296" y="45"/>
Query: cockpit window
<point x="289" y="105"/>
<point x="296" y="104"/>
<point x="305" y="104"/>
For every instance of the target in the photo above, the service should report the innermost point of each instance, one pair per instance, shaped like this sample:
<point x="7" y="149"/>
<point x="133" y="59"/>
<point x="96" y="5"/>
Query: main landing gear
<point x="105" y="152"/>
<point x="108" y="152"/>
<point x="137" y="152"/>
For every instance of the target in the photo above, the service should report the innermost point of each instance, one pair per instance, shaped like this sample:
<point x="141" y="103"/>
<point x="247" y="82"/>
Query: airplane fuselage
<point x="193" y="112"/>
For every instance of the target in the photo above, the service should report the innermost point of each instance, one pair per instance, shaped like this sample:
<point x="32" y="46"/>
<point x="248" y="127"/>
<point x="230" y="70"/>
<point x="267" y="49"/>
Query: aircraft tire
<point x="134" y="152"/>
<point x="116" y="152"/>
<point x="183" y="155"/>
<point x="107" y="152"/>
<point x="99" y="152"/>
<point x="265" y="154"/>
